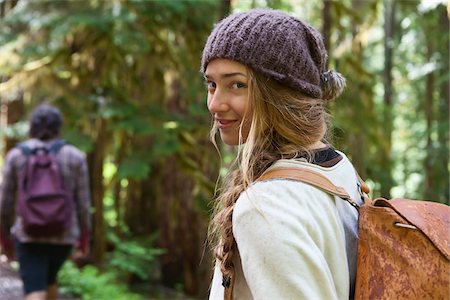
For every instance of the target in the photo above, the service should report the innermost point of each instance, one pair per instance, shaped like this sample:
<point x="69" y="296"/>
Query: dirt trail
<point x="10" y="283"/>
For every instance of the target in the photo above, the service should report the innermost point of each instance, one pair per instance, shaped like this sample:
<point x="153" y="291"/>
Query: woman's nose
<point x="217" y="102"/>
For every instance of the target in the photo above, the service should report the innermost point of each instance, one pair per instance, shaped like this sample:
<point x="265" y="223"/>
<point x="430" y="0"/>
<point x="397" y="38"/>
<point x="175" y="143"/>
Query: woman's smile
<point x="223" y="124"/>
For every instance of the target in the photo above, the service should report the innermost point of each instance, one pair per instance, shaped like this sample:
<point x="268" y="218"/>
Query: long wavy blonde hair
<point x="283" y="124"/>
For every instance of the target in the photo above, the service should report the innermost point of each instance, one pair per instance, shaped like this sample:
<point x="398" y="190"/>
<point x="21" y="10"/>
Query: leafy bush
<point x="90" y="284"/>
<point x="135" y="257"/>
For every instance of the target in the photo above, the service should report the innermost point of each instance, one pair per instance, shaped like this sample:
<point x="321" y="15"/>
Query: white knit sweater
<point x="294" y="240"/>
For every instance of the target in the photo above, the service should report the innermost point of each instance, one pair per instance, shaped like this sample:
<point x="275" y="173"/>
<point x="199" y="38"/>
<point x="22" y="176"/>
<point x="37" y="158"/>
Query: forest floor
<point x="11" y="285"/>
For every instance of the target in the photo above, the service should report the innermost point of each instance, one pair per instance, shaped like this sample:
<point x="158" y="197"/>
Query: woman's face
<point x="227" y="83"/>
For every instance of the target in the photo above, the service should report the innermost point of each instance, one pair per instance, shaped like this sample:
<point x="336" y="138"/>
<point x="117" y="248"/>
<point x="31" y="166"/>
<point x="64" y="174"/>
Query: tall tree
<point x="96" y="161"/>
<point x="429" y="117"/>
<point x="389" y="25"/>
<point x="11" y="105"/>
<point x="443" y="112"/>
<point x="326" y="26"/>
<point x="436" y="105"/>
<point x="356" y="126"/>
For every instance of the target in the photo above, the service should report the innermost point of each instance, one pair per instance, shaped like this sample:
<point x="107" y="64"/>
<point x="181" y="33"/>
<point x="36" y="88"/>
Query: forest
<point x="126" y="76"/>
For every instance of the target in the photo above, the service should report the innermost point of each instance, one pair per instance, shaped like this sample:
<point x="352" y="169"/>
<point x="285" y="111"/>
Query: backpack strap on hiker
<point x="54" y="148"/>
<point x="25" y="149"/>
<point x="310" y="177"/>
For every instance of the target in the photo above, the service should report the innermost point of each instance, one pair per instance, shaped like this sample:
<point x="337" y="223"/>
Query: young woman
<point x="267" y="89"/>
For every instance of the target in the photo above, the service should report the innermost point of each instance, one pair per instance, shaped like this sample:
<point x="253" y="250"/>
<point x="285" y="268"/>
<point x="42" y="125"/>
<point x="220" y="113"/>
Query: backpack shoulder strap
<point x="310" y="177"/>
<point x="27" y="151"/>
<point x="56" y="146"/>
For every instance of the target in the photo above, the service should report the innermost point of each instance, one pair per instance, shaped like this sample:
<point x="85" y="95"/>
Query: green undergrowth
<point x="132" y="260"/>
<point x="88" y="283"/>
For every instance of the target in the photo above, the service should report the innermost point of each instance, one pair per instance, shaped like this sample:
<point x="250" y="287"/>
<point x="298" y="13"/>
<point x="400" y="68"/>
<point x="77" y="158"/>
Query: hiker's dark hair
<point x="45" y="122"/>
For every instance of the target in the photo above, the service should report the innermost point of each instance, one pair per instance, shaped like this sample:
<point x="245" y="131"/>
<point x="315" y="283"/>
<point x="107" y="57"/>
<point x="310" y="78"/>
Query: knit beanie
<point x="280" y="47"/>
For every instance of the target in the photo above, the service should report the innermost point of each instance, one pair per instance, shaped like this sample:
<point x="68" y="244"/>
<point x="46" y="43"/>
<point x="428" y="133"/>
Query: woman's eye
<point x="239" y="85"/>
<point x="210" y="85"/>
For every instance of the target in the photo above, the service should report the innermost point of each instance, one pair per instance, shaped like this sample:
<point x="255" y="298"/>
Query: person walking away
<point x="42" y="246"/>
<point x="268" y="86"/>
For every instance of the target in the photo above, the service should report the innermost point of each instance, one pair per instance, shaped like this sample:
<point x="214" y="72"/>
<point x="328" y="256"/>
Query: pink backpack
<point x="45" y="204"/>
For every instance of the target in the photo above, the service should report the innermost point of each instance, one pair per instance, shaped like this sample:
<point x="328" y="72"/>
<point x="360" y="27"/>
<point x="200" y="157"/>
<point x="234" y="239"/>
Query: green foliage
<point x="134" y="257"/>
<point x="125" y="75"/>
<point x="17" y="131"/>
<point x="89" y="283"/>
<point x="80" y="140"/>
<point x="131" y="63"/>
<point x="130" y="257"/>
<point x="132" y="167"/>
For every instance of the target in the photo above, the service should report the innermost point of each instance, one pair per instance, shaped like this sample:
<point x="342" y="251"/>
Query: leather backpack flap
<point x="431" y="218"/>
<point x="396" y="260"/>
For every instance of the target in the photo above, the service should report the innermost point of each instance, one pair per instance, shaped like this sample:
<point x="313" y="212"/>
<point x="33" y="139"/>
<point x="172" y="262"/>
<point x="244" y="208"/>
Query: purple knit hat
<point x="277" y="45"/>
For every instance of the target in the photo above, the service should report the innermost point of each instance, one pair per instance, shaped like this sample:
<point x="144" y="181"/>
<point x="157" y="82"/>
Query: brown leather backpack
<point x="404" y="245"/>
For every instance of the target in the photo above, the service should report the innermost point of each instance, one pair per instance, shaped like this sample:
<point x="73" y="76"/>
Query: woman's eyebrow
<point x="226" y="75"/>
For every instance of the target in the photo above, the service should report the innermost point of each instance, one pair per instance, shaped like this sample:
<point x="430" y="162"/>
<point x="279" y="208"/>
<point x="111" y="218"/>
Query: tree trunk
<point x="6" y="6"/>
<point x="326" y="28"/>
<point x="225" y="8"/>
<point x="12" y="112"/>
<point x="356" y="139"/>
<point x="134" y="206"/>
<point x="188" y="237"/>
<point x="119" y="200"/>
<point x="389" y="25"/>
<point x="97" y="158"/>
<point x="429" y="192"/>
<point x="170" y="261"/>
<point x="442" y="162"/>
<point x="429" y="178"/>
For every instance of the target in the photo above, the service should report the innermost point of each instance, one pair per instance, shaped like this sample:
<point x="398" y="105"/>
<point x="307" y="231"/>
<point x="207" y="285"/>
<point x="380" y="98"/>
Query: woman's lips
<point x="224" y="124"/>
